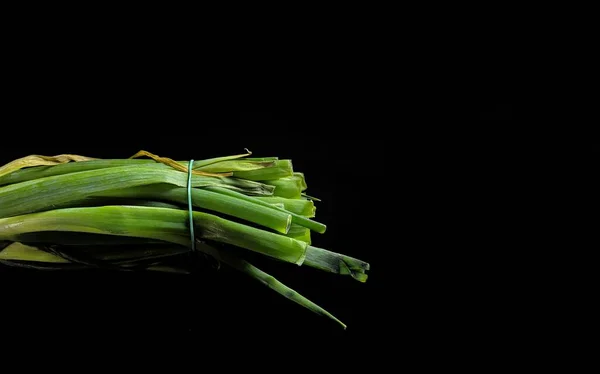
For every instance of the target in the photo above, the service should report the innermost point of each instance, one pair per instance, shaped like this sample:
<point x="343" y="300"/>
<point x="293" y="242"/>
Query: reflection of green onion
<point x="22" y="252"/>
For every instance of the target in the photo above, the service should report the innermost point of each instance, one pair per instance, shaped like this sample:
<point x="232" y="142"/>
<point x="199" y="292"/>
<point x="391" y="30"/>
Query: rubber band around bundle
<point x="189" y="195"/>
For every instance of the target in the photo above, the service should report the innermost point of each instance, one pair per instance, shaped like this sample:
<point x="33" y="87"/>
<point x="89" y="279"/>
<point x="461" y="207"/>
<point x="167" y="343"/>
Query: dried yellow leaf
<point x="177" y="166"/>
<point x="39" y="160"/>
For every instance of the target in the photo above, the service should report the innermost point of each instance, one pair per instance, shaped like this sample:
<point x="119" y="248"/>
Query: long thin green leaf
<point x="102" y="201"/>
<point x="269" y="281"/>
<point x="278" y="220"/>
<point x="38" y="172"/>
<point x="46" y="193"/>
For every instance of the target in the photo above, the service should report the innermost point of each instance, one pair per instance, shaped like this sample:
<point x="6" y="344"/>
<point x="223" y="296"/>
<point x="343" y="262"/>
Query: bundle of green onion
<point x="73" y="212"/>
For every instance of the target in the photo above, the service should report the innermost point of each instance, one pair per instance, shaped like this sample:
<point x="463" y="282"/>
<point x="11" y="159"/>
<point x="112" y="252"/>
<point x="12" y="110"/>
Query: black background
<point x="380" y="160"/>
<point x="403" y="126"/>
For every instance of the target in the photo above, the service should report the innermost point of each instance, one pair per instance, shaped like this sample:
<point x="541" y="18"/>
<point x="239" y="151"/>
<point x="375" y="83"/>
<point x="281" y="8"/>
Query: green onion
<point x="154" y="223"/>
<point x="302" y="207"/>
<point x="45" y="193"/>
<point x="296" y="218"/>
<point x="71" y="212"/>
<point x="278" y="220"/>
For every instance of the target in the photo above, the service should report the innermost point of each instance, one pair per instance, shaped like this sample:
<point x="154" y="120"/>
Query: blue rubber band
<point x="189" y="194"/>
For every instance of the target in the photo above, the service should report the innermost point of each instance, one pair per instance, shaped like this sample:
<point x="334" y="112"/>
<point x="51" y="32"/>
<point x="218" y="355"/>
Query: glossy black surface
<point x="341" y="170"/>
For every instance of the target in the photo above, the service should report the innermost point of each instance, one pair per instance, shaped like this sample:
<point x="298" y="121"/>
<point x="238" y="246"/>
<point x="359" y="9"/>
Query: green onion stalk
<point x="145" y="213"/>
